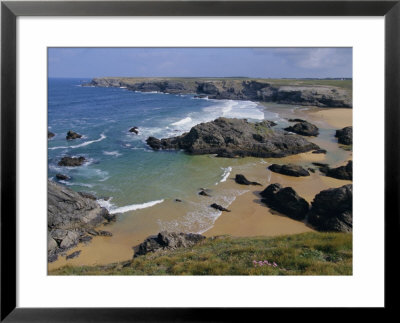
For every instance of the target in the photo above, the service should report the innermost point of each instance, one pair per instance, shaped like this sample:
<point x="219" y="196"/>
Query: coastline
<point x="249" y="217"/>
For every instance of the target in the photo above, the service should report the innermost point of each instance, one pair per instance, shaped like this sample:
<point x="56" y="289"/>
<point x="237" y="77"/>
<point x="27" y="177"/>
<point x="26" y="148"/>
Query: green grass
<point x="301" y="254"/>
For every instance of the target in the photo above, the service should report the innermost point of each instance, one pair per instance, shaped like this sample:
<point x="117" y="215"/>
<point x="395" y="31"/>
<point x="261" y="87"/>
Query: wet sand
<point x="248" y="216"/>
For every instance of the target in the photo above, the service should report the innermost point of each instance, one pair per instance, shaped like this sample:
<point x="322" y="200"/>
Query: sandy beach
<point x="248" y="216"/>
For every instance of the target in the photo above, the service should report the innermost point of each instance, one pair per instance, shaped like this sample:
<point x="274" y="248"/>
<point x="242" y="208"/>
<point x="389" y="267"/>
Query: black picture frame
<point x="10" y="10"/>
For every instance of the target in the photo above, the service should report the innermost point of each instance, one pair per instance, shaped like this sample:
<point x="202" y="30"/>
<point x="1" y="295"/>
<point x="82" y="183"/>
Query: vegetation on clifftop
<point x="312" y="253"/>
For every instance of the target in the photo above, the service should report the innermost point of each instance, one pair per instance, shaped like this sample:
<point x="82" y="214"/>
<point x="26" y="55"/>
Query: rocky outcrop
<point x="304" y="128"/>
<point x="50" y="134"/>
<point x="341" y="172"/>
<point x="332" y="210"/>
<point x="235" y="137"/>
<point x="167" y="241"/>
<point x="289" y="170"/>
<point x="240" y="179"/>
<point x="72" y="161"/>
<point x="236" y="89"/>
<point x="345" y="136"/>
<point x="63" y="177"/>
<point x="285" y="201"/>
<point x="72" y="135"/>
<point x="219" y="207"/>
<point x="70" y="217"/>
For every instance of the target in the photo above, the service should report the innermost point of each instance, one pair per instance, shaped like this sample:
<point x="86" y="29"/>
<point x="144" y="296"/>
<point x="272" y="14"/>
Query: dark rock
<point x="70" y="217"/>
<point x="167" y="240"/>
<point x="345" y="136"/>
<point x="235" y="137"/>
<point x="341" y="172"/>
<point x="63" y="177"/>
<point x="204" y="193"/>
<point x="312" y="170"/>
<point x="240" y="179"/>
<point x="319" y="151"/>
<point x="320" y="164"/>
<point x="85" y="238"/>
<point x="110" y="217"/>
<point x="219" y="207"/>
<point x="52" y="258"/>
<point x="285" y="200"/>
<point x="105" y="234"/>
<point x="73" y="255"/>
<point x="50" y="134"/>
<point x="304" y="128"/>
<point x="88" y="195"/>
<point x="72" y="135"/>
<point x="134" y="130"/>
<point x="71" y="161"/>
<point x="297" y="120"/>
<point x="332" y="210"/>
<point x="92" y="232"/>
<point x="289" y="170"/>
<point x="178" y="200"/>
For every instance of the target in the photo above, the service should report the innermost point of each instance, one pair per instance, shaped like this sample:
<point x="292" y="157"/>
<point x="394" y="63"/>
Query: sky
<point x="201" y="62"/>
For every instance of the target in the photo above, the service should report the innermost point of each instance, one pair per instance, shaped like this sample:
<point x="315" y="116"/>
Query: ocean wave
<point x="123" y="209"/>
<point x="182" y="121"/>
<point x="225" y="174"/>
<point x="75" y="184"/>
<point x="102" y="137"/>
<point x="112" y="153"/>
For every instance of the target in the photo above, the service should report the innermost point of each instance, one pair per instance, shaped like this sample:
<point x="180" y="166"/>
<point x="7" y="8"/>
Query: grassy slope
<point x="301" y="254"/>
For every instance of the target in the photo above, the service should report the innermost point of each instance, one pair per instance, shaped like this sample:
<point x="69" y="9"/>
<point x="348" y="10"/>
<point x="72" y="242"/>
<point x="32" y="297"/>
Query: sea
<point x="121" y="170"/>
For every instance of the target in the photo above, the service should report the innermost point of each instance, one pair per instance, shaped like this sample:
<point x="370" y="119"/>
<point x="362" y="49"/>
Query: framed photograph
<point x="199" y="155"/>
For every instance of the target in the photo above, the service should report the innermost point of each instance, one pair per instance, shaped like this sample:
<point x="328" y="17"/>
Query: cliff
<point x="320" y="93"/>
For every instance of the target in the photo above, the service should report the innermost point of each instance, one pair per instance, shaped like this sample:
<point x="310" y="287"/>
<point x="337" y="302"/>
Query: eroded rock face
<point x="304" y="128"/>
<point x="230" y="137"/>
<point x="72" y="135"/>
<point x="285" y="200"/>
<point x="167" y="240"/>
<point x="69" y="217"/>
<point x="332" y="210"/>
<point x="289" y="170"/>
<point x="72" y="161"/>
<point x="345" y="136"/>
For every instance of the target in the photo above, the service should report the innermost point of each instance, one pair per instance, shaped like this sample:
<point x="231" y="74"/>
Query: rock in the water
<point x="85" y="238"/>
<point x="319" y="151"/>
<point x="297" y="120"/>
<point x="73" y="255"/>
<point x="235" y="137"/>
<point x="178" y="200"/>
<point x="332" y="210"/>
<point x="204" y="193"/>
<point x="240" y="179"/>
<point x="341" y="172"/>
<point x="63" y="177"/>
<point x="289" y="170"/>
<point x="50" y="134"/>
<point x="72" y="161"/>
<point x="304" y="128"/>
<point x="134" y="130"/>
<point x="167" y="240"/>
<point x="286" y="201"/>
<point x="219" y="207"/>
<point x="72" y="135"/>
<point x="345" y="136"/>
<point x="70" y="217"/>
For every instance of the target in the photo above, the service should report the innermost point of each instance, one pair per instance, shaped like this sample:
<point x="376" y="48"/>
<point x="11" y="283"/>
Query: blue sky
<point x="196" y="62"/>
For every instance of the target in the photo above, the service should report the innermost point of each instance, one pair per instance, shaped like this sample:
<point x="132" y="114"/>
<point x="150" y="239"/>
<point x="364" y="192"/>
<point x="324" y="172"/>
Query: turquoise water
<point x="120" y="164"/>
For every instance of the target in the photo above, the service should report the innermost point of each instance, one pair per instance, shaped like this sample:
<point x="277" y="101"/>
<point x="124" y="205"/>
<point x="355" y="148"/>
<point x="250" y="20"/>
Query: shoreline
<point x="249" y="217"/>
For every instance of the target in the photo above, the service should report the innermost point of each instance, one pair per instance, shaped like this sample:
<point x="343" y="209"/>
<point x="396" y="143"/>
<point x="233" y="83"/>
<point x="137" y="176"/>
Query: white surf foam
<point x="182" y="121"/>
<point x="225" y="174"/>
<point x="123" y="209"/>
<point x="112" y="153"/>
<point x="102" y="137"/>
